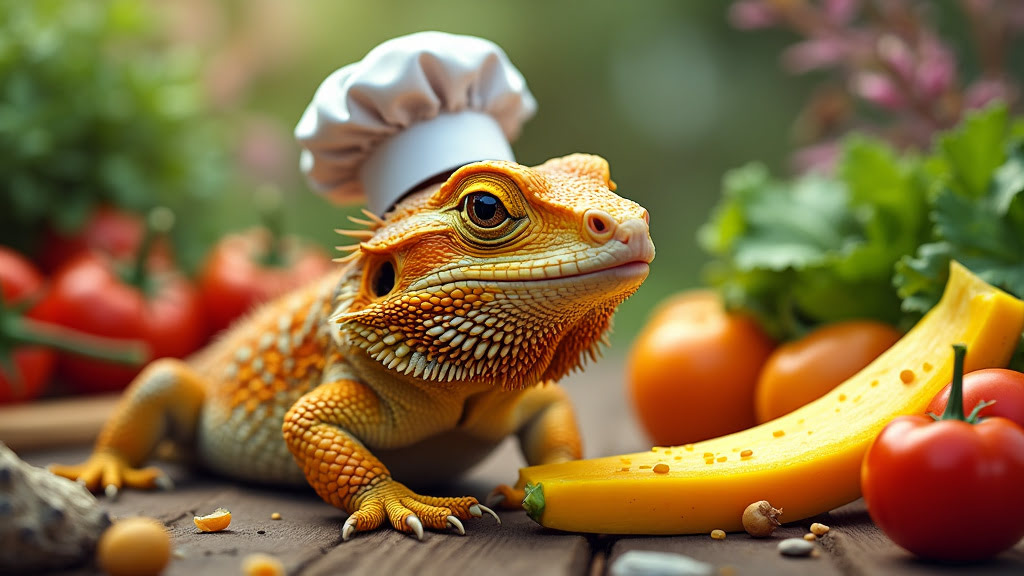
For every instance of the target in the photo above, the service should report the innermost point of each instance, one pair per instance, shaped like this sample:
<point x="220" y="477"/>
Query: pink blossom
<point x="895" y="54"/>
<point x="814" y="54"/>
<point x="936" y="69"/>
<point x="841" y="12"/>
<point x="819" y="158"/>
<point x="752" y="14"/>
<point x="987" y="90"/>
<point x="265" y="150"/>
<point x="879" y="90"/>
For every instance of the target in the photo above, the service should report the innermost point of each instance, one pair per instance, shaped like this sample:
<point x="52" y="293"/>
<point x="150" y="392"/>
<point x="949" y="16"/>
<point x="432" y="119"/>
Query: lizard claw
<point x="164" y="482"/>
<point x="416" y="526"/>
<point x="477" y="511"/>
<point x="457" y="524"/>
<point x="348" y="529"/>
<point x="495" y="498"/>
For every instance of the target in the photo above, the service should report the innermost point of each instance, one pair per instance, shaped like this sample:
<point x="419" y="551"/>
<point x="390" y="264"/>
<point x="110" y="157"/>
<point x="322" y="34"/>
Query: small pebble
<point x="795" y="547"/>
<point x="819" y="529"/>
<point x="647" y="563"/>
<point x="718" y="534"/>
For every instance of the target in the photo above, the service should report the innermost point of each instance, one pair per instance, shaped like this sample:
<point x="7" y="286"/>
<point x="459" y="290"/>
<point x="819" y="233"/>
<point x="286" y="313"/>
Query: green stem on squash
<point x="534" y="501"/>
<point x="159" y="221"/>
<point x="269" y="201"/>
<point x="955" y="403"/>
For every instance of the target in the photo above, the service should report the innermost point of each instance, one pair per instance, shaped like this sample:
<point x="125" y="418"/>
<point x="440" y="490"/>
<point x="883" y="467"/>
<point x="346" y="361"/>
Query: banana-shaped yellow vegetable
<point x="806" y="462"/>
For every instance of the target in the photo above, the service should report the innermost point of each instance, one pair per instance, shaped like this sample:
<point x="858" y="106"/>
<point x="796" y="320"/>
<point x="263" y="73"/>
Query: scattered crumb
<point x="262" y="565"/>
<point x="819" y="529"/>
<point x="718" y="534"/>
<point x="275" y="516"/>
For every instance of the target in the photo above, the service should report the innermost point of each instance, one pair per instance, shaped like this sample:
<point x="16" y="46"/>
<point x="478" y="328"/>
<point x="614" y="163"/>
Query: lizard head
<point x="504" y="274"/>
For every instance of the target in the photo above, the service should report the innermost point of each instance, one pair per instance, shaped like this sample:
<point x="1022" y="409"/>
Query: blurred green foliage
<point x="93" y="111"/>
<point x="137" y="108"/>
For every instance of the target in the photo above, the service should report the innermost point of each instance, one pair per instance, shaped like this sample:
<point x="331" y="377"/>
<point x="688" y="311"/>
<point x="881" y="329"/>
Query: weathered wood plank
<point x="862" y="549"/>
<point x="738" y="553"/>
<point x="516" y="547"/>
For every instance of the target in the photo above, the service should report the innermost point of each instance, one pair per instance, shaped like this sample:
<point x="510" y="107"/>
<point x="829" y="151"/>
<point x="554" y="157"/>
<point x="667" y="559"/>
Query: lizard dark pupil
<point x="485" y="210"/>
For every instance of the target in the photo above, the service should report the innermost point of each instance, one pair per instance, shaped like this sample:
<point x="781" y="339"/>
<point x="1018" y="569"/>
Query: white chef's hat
<point x="415" y="107"/>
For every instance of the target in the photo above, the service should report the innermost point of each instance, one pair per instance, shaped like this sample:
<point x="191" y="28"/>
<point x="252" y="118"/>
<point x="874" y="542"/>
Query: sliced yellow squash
<point x="806" y="462"/>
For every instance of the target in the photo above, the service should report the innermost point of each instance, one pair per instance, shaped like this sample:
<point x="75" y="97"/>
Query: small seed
<point x="275" y="516"/>
<point x="795" y="547"/>
<point x="661" y="468"/>
<point x="746" y="454"/>
<point x="810" y="537"/>
<point x="819" y="529"/>
<point x="718" y="534"/>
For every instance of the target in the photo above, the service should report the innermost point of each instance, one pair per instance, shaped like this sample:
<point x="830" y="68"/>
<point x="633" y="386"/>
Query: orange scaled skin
<point x="438" y="338"/>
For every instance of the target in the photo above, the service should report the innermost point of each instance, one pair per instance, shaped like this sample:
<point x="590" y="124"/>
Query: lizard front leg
<point x="322" y="431"/>
<point x="549" y="435"/>
<point x="163" y="401"/>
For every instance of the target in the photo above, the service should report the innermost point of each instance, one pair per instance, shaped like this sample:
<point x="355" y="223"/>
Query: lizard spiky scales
<point x="432" y="342"/>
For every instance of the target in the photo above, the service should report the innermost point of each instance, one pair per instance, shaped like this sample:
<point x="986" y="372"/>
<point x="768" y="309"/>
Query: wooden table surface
<point x="307" y="537"/>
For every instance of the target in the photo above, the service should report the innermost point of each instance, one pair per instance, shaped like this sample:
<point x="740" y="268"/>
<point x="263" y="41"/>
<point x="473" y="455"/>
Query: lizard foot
<point x="506" y="497"/>
<point x="112" y="472"/>
<point x="409" y="512"/>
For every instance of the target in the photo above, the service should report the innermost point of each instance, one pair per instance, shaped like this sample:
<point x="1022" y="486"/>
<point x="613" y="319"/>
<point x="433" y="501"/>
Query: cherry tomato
<point x="19" y="280"/>
<point x="1004" y="387"/>
<point x="804" y="370"/>
<point x="692" y="370"/>
<point x="948" y="489"/>
<point x="111" y="231"/>
<point x="237" y="274"/>
<point x="88" y="295"/>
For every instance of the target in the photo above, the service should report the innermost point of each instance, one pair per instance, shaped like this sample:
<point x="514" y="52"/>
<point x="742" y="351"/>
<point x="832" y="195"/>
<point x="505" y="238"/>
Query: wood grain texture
<point x="307" y="538"/>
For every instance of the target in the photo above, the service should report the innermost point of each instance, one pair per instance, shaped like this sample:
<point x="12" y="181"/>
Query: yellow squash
<point x="806" y="462"/>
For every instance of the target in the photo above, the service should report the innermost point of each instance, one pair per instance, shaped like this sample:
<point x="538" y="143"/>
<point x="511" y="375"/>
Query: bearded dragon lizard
<point x="441" y="335"/>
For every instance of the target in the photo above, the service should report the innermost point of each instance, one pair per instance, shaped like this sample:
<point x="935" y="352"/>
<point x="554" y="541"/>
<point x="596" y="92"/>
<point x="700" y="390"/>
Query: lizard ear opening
<point x="382" y="277"/>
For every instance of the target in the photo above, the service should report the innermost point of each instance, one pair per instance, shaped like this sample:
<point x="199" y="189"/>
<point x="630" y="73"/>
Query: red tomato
<point x="19" y="280"/>
<point x="236" y="277"/>
<point x="802" y="371"/>
<point x="1005" y="387"/>
<point x="88" y="295"/>
<point x="693" y="368"/>
<point x="109" y="230"/>
<point x="948" y="489"/>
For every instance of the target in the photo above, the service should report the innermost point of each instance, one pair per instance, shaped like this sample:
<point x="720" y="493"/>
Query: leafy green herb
<point x="94" y="110"/>
<point x="875" y="240"/>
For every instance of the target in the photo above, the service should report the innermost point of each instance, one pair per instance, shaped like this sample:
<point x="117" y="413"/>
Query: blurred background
<point x="197" y="100"/>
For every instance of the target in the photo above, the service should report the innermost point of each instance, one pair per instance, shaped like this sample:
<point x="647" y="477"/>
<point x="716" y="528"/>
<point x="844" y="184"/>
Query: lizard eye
<point x="485" y="210"/>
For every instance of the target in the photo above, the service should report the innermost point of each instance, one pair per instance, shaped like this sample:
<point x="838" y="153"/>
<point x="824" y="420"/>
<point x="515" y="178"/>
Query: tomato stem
<point x="269" y="201"/>
<point x="159" y="221"/>
<point x="955" y="404"/>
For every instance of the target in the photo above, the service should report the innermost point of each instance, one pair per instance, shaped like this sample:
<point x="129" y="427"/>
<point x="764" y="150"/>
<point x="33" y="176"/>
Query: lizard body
<point x="439" y="337"/>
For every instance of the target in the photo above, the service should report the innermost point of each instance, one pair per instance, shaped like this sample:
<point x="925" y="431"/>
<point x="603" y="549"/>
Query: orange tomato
<point x="693" y="368"/>
<point x="804" y="370"/>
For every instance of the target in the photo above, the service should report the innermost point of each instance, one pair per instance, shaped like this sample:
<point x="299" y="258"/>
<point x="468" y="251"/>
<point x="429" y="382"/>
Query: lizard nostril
<point x="599" y="224"/>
